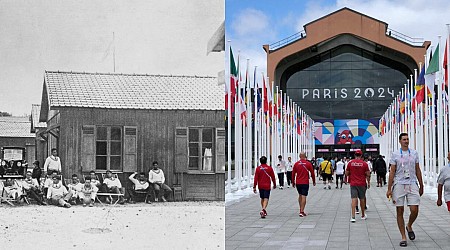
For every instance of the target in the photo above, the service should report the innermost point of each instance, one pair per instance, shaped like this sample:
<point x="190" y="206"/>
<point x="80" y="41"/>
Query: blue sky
<point x="253" y="23"/>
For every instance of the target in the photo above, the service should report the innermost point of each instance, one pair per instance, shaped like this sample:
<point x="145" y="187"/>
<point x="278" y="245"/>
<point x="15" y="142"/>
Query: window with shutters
<point x="108" y="148"/>
<point x="201" y="149"/>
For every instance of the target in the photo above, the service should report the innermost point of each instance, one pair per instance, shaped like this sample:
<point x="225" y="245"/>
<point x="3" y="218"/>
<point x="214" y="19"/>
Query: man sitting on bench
<point x="113" y="184"/>
<point x="140" y="184"/>
<point x="57" y="193"/>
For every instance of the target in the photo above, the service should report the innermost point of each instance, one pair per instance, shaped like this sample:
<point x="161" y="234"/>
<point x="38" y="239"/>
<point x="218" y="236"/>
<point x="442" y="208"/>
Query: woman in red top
<point x="264" y="175"/>
<point x="300" y="179"/>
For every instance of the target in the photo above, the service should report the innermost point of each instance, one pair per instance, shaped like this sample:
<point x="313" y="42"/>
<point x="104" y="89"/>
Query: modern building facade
<point x="344" y="70"/>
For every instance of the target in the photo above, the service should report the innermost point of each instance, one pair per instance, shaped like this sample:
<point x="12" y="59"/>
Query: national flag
<point x="433" y="67"/>
<point x="402" y="104"/>
<point x="420" y="86"/>
<point x="233" y="82"/>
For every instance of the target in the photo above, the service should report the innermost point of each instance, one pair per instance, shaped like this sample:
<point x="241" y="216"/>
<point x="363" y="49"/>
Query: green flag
<point x="434" y="63"/>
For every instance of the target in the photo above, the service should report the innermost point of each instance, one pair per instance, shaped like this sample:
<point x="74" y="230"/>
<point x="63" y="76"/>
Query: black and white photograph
<point x="112" y="128"/>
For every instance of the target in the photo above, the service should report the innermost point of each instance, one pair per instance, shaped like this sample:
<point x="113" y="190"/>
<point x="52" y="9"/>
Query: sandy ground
<point x="170" y="225"/>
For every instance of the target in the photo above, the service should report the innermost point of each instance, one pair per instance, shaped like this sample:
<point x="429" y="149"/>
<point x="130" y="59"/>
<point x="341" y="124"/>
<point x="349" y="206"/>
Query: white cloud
<point x="250" y="22"/>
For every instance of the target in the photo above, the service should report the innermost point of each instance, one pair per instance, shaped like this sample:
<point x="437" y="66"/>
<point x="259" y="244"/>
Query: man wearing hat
<point x="359" y="175"/>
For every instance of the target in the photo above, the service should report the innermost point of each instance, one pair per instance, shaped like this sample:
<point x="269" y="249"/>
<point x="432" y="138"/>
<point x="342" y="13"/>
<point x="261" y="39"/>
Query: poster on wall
<point x="339" y="132"/>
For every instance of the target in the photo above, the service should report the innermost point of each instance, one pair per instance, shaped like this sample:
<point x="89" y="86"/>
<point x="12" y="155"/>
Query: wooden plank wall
<point x="156" y="133"/>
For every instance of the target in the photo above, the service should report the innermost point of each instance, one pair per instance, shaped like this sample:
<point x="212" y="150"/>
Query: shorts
<point x="358" y="192"/>
<point x="408" y="191"/>
<point x="302" y="189"/>
<point x="264" y="194"/>
<point x="448" y="205"/>
<point x="326" y="177"/>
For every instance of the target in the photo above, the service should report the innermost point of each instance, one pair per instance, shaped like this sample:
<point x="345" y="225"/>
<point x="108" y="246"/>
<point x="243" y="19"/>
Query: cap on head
<point x="358" y="152"/>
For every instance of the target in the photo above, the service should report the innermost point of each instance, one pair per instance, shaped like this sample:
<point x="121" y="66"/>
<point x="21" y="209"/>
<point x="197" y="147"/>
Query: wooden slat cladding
<point x="155" y="135"/>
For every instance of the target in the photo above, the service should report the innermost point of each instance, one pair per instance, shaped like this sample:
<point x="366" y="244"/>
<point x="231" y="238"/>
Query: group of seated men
<point x="54" y="192"/>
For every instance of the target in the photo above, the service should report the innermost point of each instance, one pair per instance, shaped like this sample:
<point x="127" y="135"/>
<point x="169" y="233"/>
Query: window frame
<point x="109" y="141"/>
<point x="200" y="142"/>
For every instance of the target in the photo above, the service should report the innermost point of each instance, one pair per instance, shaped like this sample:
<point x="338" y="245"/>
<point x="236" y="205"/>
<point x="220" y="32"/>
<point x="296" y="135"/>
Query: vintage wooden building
<point x="124" y="122"/>
<point x="38" y="128"/>
<point x="15" y="131"/>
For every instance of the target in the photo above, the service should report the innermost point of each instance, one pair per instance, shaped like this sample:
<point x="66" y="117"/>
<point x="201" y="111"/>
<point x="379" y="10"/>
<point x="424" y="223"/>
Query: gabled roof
<point x="11" y="126"/>
<point x="345" y="9"/>
<point x="131" y="91"/>
<point x="35" y="112"/>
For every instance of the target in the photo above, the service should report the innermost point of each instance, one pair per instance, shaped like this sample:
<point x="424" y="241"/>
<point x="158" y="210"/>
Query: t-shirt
<point x="264" y="175"/>
<point x="357" y="169"/>
<point x="444" y="179"/>
<point x="281" y="166"/>
<point x="326" y="167"/>
<point x="405" y="162"/>
<point x="301" y="171"/>
<point x="340" y="165"/>
<point x="288" y="166"/>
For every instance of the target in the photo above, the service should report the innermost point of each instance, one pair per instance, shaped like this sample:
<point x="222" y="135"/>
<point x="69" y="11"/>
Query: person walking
<point x="444" y="184"/>
<point x="402" y="186"/>
<point x="264" y="176"/>
<point x="380" y="168"/>
<point x="340" y="170"/>
<point x="281" y="169"/>
<point x="289" y="171"/>
<point x="359" y="177"/>
<point x="326" y="171"/>
<point x="302" y="171"/>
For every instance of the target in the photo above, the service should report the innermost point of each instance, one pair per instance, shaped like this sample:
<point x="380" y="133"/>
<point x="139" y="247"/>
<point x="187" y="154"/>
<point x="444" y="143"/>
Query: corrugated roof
<point x="11" y="126"/>
<point x="35" y="112"/>
<point x="125" y="91"/>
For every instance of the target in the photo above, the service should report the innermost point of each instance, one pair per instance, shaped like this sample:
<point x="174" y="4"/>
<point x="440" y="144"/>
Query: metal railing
<point x="287" y="40"/>
<point x="404" y="38"/>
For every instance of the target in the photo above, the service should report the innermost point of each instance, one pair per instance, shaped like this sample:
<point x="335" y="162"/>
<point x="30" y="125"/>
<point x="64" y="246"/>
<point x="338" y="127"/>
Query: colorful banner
<point x="339" y="132"/>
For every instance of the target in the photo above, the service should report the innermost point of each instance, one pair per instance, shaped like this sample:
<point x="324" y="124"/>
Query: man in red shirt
<point x="300" y="179"/>
<point x="359" y="175"/>
<point x="264" y="175"/>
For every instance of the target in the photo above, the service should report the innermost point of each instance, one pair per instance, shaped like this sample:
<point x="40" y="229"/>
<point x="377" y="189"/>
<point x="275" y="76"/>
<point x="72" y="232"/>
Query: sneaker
<point x="325" y="187"/>
<point x="262" y="214"/>
<point x="329" y="187"/>
<point x="304" y="214"/>
<point x="156" y="199"/>
<point x="341" y="188"/>
<point x="367" y="207"/>
<point x="364" y="217"/>
<point x="265" y="212"/>
<point x="67" y="205"/>
<point x="91" y="204"/>
<point x="281" y="187"/>
<point x="84" y="204"/>
<point x="301" y="214"/>
<point x="357" y="211"/>
<point x="287" y="186"/>
<point x="352" y="220"/>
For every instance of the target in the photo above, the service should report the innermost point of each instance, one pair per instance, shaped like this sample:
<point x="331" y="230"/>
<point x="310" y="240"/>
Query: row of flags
<point x="421" y="109"/>
<point x="266" y="122"/>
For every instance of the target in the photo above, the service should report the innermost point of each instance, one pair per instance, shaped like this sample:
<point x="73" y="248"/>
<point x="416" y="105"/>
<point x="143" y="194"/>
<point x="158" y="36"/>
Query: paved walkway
<point x="328" y="226"/>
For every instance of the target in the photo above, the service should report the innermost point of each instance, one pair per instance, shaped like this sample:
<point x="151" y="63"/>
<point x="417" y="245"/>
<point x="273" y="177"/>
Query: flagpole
<point x="228" y="79"/>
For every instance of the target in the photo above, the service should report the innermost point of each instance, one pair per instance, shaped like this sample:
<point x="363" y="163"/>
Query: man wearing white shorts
<point x="403" y="187"/>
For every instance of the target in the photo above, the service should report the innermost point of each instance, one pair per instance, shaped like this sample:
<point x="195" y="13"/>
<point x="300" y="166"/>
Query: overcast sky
<point x="253" y="23"/>
<point x="151" y="37"/>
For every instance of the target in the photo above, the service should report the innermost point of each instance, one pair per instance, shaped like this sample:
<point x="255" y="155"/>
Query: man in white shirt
<point x="52" y="163"/>
<point x="289" y="166"/>
<point x="57" y="193"/>
<point x="157" y="179"/>
<point x="75" y="187"/>
<point x="31" y="187"/>
<point x="140" y="184"/>
<point x="281" y="169"/>
<point x="113" y="184"/>
<point x="340" y="170"/>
